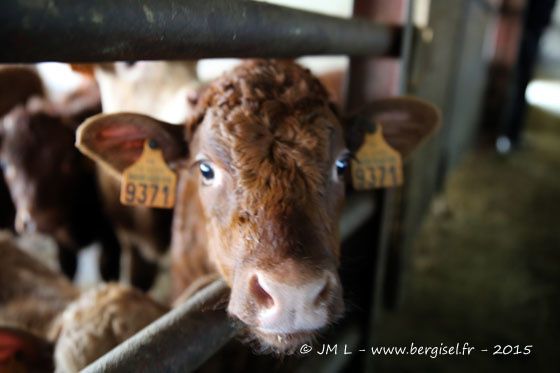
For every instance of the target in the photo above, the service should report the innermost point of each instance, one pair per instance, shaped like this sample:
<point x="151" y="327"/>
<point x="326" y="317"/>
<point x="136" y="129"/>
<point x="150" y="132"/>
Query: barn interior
<point x="463" y="255"/>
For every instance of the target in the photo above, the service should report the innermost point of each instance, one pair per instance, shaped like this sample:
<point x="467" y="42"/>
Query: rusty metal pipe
<point x="109" y="30"/>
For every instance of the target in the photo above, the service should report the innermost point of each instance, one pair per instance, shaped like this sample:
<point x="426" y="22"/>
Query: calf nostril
<point x="22" y="222"/>
<point x="261" y="296"/>
<point x="19" y="227"/>
<point x="323" y="295"/>
<point x="28" y="225"/>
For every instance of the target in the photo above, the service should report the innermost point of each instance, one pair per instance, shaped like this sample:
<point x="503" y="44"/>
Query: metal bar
<point x="109" y="30"/>
<point x="180" y="341"/>
<point x="187" y="336"/>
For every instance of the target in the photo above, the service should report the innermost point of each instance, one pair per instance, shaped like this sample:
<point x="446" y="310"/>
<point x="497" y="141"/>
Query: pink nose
<point x="289" y="308"/>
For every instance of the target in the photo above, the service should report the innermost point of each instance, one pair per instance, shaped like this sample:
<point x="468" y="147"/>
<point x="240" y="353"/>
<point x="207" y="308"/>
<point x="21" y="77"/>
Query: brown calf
<point x="261" y="186"/>
<point x="52" y="185"/>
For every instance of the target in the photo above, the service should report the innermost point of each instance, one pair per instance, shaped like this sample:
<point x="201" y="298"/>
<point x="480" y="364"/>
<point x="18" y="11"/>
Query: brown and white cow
<point x="261" y="170"/>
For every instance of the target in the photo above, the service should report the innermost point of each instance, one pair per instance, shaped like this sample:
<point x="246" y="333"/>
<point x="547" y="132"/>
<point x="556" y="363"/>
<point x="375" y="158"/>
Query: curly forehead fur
<point x="273" y="122"/>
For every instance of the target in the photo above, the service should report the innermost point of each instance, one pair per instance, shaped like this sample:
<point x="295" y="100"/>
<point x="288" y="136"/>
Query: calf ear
<point x="17" y="85"/>
<point x="405" y="121"/>
<point x="116" y="141"/>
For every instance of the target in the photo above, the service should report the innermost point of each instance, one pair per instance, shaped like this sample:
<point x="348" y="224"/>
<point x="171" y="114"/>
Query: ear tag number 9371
<point x="149" y="181"/>
<point x="377" y="164"/>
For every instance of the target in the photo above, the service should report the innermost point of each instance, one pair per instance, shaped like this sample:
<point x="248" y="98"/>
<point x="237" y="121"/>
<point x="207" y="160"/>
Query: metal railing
<point x="109" y="30"/>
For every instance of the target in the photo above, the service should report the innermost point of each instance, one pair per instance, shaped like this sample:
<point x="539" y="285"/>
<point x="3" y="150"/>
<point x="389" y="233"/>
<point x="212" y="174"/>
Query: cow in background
<point x="52" y="185"/>
<point x="43" y="317"/>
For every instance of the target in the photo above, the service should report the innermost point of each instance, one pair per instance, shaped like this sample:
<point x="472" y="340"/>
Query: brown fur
<point x="270" y="125"/>
<point x="271" y="128"/>
<point x="99" y="320"/>
<point x="23" y="304"/>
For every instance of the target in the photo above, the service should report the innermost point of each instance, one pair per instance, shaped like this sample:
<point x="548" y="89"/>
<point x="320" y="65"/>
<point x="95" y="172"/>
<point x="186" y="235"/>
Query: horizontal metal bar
<point x="109" y="30"/>
<point x="180" y="341"/>
<point x="187" y="336"/>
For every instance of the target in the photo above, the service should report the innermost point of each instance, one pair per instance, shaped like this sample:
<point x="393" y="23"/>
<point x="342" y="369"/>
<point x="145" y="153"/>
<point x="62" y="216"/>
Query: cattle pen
<point x="391" y="53"/>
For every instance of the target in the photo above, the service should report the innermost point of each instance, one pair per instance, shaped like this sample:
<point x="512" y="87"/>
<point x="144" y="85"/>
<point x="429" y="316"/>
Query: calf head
<point x="264" y="157"/>
<point x="41" y="166"/>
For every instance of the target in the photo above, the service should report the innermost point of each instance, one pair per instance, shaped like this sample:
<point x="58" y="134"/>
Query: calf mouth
<point x="280" y="343"/>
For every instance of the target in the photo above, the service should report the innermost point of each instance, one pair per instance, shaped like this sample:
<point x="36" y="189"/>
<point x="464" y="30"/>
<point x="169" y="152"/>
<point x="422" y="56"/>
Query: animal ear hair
<point x="406" y="122"/>
<point x="116" y="141"/>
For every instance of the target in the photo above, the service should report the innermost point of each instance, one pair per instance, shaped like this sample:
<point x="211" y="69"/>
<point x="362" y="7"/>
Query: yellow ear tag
<point x="377" y="164"/>
<point x="149" y="181"/>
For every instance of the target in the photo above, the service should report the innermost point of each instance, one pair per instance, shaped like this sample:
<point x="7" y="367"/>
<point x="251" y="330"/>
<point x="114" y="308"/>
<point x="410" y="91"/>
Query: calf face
<point x="270" y="156"/>
<point x="264" y="176"/>
<point x="36" y="147"/>
<point x="52" y="185"/>
<point x="40" y="167"/>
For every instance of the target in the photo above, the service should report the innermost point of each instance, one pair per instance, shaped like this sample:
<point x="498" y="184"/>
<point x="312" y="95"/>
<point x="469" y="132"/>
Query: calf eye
<point x="342" y="165"/>
<point x="206" y="171"/>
